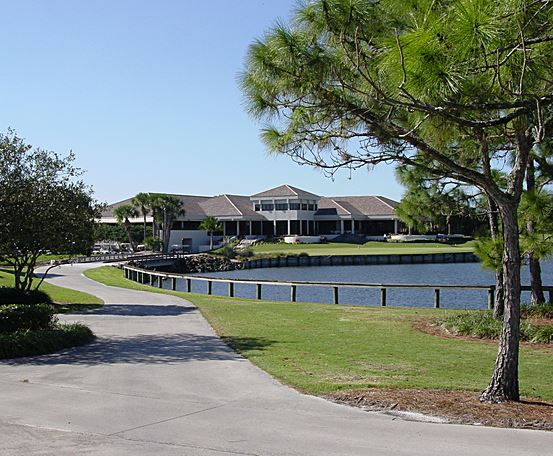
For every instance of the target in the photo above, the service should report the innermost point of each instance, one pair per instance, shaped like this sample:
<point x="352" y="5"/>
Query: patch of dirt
<point x="455" y="406"/>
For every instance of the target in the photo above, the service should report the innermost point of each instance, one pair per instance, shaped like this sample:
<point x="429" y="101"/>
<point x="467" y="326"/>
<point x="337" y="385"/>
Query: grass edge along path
<point x="67" y="298"/>
<point x="322" y="349"/>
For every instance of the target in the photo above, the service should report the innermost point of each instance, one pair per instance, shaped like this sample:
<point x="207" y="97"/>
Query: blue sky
<point x="145" y="93"/>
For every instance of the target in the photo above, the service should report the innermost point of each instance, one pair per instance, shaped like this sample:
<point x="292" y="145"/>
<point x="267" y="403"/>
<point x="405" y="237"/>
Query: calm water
<point x="434" y="274"/>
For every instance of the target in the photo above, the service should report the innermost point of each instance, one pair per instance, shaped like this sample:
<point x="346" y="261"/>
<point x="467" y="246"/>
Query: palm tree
<point x="122" y="214"/>
<point x="142" y="202"/>
<point x="211" y="225"/>
<point x="165" y="208"/>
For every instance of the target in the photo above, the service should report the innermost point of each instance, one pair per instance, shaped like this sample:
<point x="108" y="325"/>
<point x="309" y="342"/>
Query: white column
<point x="237" y="228"/>
<point x="341" y="227"/>
<point x="289" y="227"/>
<point x="308" y="230"/>
<point x="301" y="228"/>
<point x="274" y="228"/>
<point x="250" y="225"/>
<point x="395" y="226"/>
<point x="352" y="226"/>
<point x="224" y="228"/>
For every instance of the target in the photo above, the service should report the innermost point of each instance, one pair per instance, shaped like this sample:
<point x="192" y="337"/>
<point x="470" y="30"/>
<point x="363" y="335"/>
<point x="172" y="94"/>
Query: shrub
<point x="484" y="326"/>
<point x="541" y="334"/>
<point x="542" y="310"/>
<point x="14" y="296"/>
<point x="17" y="317"/>
<point x="477" y="324"/>
<point x="43" y="341"/>
<point x="227" y="251"/>
<point x="246" y="252"/>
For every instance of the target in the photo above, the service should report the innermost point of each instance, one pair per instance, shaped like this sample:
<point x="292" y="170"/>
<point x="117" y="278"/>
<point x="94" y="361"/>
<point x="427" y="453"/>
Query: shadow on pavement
<point x="137" y="310"/>
<point x="148" y="349"/>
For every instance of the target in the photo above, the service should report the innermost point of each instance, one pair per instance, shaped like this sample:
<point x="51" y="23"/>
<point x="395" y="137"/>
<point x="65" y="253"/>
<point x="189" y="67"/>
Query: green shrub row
<point x="10" y="295"/>
<point x="483" y="325"/>
<point x="543" y="310"/>
<point x="43" y="341"/>
<point x="20" y="317"/>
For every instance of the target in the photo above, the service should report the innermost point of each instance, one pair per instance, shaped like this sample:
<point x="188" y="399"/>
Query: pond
<point x="432" y="274"/>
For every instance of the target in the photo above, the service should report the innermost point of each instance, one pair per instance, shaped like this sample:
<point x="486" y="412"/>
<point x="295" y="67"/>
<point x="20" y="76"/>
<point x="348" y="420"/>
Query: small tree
<point x="43" y="207"/>
<point x="122" y="214"/>
<point x="465" y="85"/>
<point x="211" y="225"/>
<point x="165" y="209"/>
<point x="142" y="202"/>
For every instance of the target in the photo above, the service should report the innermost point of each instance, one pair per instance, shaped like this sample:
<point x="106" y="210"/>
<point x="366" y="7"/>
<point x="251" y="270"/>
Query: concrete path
<point x="158" y="381"/>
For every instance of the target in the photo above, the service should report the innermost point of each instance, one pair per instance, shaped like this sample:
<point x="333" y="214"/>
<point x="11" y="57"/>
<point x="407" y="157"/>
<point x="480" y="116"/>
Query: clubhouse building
<point x="280" y="211"/>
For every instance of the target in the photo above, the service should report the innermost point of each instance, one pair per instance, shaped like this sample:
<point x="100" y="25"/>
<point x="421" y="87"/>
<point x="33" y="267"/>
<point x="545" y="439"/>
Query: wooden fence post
<point x="335" y="296"/>
<point x="293" y="293"/>
<point x="383" y="297"/>
<point x="258" y="290"/>
<point x="437" y="298"/>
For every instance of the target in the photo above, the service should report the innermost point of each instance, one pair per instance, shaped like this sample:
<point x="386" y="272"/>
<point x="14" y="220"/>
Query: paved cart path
<point x="159" y="381"/>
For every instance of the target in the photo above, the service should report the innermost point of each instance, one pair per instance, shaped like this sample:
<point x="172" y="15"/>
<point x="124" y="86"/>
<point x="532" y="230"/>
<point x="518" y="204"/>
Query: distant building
<point x="283" y="210"/>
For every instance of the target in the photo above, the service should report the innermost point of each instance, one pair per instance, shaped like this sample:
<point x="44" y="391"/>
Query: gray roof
<point x="238" y="206"/>
<point x="286" y="191"/>
<point x="356" y="206"/>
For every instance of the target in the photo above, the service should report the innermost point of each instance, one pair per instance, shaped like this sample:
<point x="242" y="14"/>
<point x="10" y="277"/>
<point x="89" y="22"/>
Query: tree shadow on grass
<point x="149" y="349"/>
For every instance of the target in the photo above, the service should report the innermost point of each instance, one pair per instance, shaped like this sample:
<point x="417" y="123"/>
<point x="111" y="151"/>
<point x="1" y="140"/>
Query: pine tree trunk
<point x="494" y="232"/>
<point x="504" y="383"/>
<point x="533" y="262"/>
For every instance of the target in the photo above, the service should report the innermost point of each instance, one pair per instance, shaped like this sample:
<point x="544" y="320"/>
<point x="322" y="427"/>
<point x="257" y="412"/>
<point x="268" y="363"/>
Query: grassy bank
<point x="65" y="296"/>
<point x="322" y="349"/>
<point x="369" y="248"/>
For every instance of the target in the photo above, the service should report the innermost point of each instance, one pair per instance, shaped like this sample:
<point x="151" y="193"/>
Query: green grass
<point x="43" y="341"/>
<point x="321" y="348"/>
<point x="369" y="248"/>
<point x="69" y="299"/>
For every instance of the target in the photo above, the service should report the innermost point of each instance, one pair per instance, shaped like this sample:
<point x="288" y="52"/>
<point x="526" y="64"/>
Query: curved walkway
<point x="159" y="381"/>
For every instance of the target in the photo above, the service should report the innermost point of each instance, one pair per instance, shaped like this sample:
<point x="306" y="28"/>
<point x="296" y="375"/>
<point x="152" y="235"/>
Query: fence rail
<point x="154" y="278"/>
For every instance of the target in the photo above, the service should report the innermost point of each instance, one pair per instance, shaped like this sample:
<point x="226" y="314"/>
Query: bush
<point x="543" y="310"/>
<point x="16" y="317"/>
<point x="476" y="324"/>
<point x="227" y="251"/>
<point x="246" y="252"/>
<point x="484" y="326"/>
<point x="43" y="341"/>
<point x="14" y="296"/>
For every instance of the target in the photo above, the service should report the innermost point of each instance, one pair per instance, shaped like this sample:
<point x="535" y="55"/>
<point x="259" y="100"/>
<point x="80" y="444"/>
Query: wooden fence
<point x="156" y="279"/>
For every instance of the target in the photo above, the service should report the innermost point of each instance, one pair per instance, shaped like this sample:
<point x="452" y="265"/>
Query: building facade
<point x="280" y="211"/>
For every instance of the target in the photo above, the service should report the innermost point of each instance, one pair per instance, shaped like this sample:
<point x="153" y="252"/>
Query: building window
<point x="257" y="207"/>
<point x="294" y="206"/>
<point x="303" y="206"/>
<point x="311" y="207"/>
<point x="267" y="207"/>
<point x="281" y="206"/>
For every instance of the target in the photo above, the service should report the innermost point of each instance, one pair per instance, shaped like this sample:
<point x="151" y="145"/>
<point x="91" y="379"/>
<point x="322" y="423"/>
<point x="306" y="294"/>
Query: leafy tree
<point x="462" y="86"/>
<point x="211" y="225"/>
<point x="142" y="202"/>
<point x="43" y="207"/>
<point x="165" y="209"/>
<point x="122" y="214"/>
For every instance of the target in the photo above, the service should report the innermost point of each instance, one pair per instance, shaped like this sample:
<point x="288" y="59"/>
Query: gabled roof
<point x="230" y="206"/>
<point x="356" y="206"/>
<point x="190" y="204"/>
<point x="283" y="191"/>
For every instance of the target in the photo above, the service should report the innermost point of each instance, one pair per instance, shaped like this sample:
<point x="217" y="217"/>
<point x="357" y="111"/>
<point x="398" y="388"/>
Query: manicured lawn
<point x="321" y="349"/>
<point x="59" y="295"/>
<point x="369" y="248"/>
